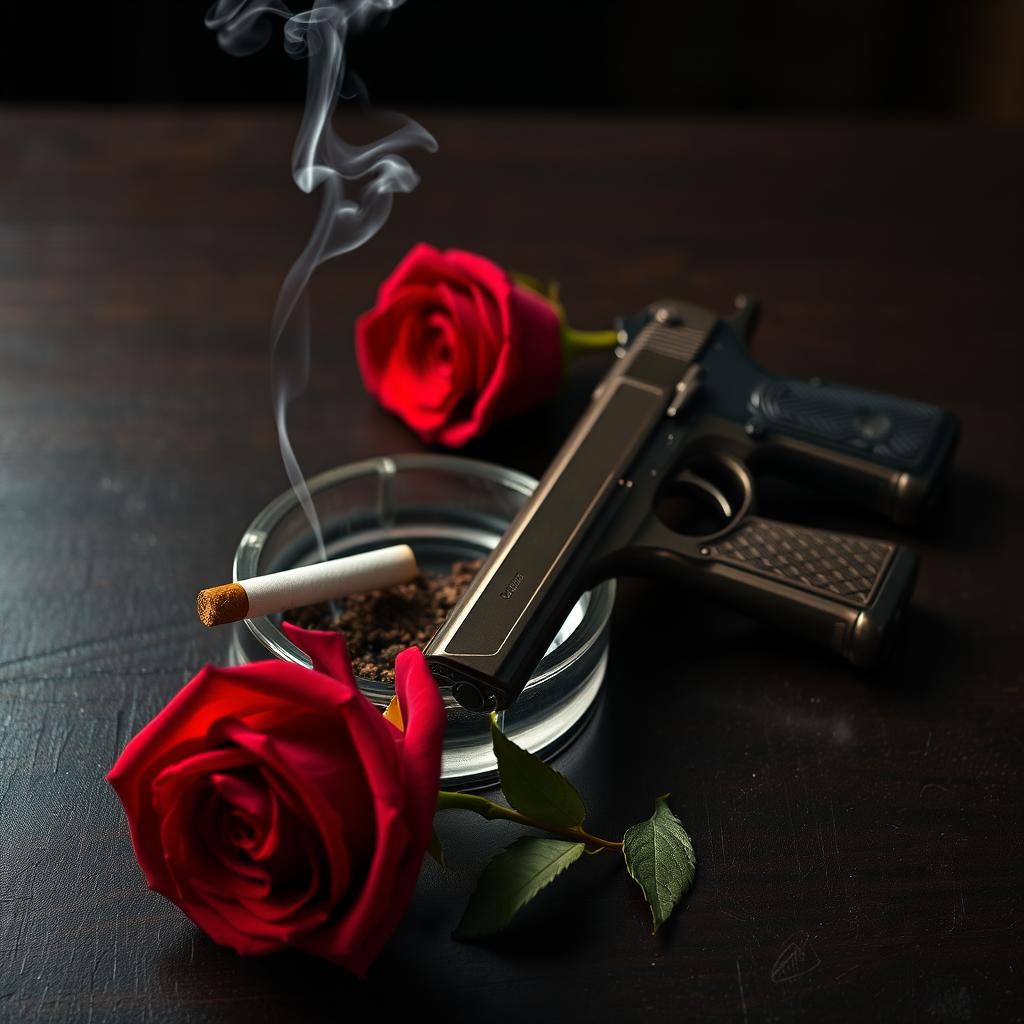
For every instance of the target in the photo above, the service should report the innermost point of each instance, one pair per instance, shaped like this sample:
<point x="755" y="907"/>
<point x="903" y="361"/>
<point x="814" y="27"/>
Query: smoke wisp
<point x="357" y="183"/>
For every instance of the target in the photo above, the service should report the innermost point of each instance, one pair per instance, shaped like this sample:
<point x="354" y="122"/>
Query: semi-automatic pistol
<point x="656" y="478"/>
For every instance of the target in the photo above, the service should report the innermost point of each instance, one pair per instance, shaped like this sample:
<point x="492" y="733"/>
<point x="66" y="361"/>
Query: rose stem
<point x="447" y="801"/>
<point x="575" y="341"/>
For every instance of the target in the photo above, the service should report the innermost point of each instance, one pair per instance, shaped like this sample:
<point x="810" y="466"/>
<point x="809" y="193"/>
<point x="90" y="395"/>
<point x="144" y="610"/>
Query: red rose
<point x="454" y="344"/>
<point x="277" y="807"/>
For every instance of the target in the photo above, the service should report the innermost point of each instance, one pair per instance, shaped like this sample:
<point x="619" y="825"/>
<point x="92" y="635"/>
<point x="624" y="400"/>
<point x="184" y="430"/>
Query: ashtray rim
<point x="599" y="599"/>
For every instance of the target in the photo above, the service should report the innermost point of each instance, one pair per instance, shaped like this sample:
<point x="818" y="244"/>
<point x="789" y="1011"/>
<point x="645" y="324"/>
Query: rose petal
<point x="382" y="903"/>
<point x="378" y="330"/>
<point x="266" y="687"/>
<point x="533" y="354"/>
<point x="421" y="262"/>
<point x="326" y="648"/>
<point x="189" y="802"/>
<point x="417" y="374"/>
<point x="425" y="266"/>
<point x="425" y="719"/>
<point x="334" y="793"/>
<point x="357" y="939"/>
<point x="144" y="822"/>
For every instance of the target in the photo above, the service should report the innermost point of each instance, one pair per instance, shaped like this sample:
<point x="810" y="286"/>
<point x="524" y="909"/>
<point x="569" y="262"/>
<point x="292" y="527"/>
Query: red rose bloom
<point x="277" y="807"/>
<point x="454" y="344"/>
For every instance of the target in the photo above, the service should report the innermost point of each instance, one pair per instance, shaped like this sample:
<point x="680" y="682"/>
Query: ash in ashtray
<point x="378" y="624"/>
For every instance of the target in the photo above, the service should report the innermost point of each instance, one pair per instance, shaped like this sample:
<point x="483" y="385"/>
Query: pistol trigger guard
<point x="654" y="534"/>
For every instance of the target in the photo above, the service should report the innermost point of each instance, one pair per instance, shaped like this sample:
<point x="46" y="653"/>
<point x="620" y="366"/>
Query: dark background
<point x="938" y="57"/>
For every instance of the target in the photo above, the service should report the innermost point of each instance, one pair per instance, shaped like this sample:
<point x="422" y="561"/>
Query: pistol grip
<point x="886" y="452"/>
<point x="840" y="591"/>
<point x="843" y="591"/>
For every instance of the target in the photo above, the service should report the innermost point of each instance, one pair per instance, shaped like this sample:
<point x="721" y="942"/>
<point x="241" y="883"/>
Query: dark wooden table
<point x="873" y="823"/>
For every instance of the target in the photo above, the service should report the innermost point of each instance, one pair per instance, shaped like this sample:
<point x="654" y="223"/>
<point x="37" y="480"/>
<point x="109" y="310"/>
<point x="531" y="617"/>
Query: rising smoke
<point x="322" y="159"/>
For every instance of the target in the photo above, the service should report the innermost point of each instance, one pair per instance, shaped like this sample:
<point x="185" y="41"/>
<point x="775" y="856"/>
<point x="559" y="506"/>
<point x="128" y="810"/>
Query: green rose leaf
<point x="660" y="858"/>
<point x="534" y="788"/>
<point x="511" y="880"/>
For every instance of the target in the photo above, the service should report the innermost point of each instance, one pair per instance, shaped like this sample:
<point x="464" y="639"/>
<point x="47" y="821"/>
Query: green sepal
<point x="547" y="290"/>
<point x="659" y="857"/>
<point x="534" y="788"/>
<point x="574" y="342"/>
<point x="511" y="880"/>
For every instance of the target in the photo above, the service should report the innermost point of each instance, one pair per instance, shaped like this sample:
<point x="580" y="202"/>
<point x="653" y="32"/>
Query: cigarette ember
<point x="305" y="585"/>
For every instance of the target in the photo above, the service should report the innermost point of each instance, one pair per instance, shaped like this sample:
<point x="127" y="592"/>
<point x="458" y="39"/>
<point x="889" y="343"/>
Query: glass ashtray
<point x="447" y="509"/>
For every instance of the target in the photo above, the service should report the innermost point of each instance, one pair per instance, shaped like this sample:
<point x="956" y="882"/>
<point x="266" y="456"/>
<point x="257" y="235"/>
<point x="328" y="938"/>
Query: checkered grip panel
<point x="896" y="430"/>
<point x="836" y="565"/>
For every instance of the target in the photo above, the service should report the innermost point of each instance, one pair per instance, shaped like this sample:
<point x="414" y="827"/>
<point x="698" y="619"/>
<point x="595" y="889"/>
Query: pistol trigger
<point x="716" y="496"/>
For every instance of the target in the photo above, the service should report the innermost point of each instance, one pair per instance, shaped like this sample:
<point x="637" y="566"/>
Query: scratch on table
<point x="835" y="829"/>
<point x="39" y="739"/>
<point x="167" y="630"/>
<point x="735" y="917"/>
<point x="796" y="959"/>
<point x="933" y="785"/>
<point x="28" y="659"/>
<point x="42" y="1001"/>
<point x="707" y="815"/>
<point x="30" y="873"/>
<point x="835" y="841"/>
<point x="928" y="743"/>
<point x="124" y="722"/>
<point x="956" y="922"/>
<point x="824" y="861"/>
<point x="792" y="832"/>
<point x="7" y="788"/>
<point x="113" y="947"/>
<point x="743" y="998"/>
<point x="102" y="955"/>
<point x="65" y="736"/>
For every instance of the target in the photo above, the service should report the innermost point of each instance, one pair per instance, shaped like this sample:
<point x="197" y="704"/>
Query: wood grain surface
<point x="859" y="836"/>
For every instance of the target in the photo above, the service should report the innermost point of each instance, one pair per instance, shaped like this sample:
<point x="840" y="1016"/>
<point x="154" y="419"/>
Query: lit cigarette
<point x="309" y="584"/>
